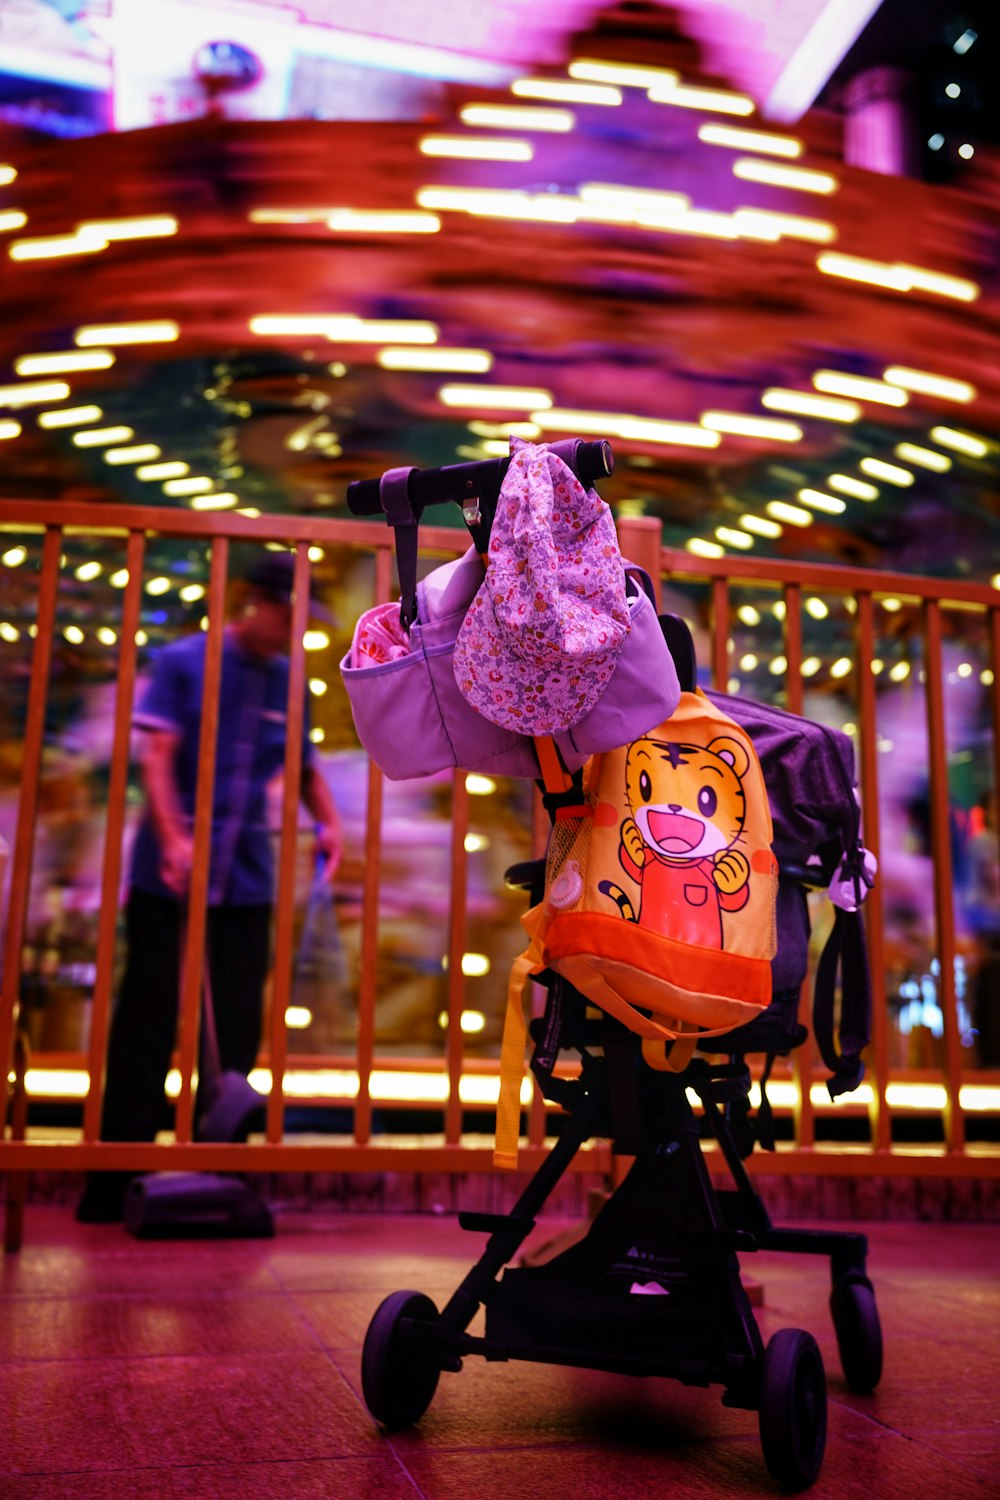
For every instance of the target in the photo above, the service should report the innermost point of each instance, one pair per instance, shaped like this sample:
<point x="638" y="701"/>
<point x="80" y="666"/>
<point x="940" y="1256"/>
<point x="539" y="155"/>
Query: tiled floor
<point x="218" y="1370"/>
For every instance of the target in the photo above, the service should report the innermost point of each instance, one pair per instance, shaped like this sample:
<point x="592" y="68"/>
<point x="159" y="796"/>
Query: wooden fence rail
<point x="714" y="581"/>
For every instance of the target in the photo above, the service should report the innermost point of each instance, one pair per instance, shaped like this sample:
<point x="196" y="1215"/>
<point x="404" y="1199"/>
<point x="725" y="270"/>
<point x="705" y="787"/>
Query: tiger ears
<point x="732" y="752"/>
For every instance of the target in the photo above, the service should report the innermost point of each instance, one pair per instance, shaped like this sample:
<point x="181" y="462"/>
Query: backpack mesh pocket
<point x="566" y="864"/>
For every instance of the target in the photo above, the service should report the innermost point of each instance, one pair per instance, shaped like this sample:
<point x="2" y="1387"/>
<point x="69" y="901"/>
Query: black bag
<point x="809" y="775"/>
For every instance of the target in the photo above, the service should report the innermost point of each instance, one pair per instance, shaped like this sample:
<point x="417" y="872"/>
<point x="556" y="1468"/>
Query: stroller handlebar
<point x="462" y="482"/>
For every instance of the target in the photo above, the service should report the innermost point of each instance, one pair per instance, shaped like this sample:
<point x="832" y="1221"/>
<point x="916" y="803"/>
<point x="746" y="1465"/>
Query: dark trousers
<point x="144" y="1023"/>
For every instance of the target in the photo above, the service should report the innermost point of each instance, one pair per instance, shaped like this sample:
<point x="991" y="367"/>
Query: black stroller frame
<point x="654" y="1286"/>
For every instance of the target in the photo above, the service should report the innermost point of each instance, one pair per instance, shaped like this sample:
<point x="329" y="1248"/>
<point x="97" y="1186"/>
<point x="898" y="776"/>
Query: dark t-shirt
<point x="250" y="752"/>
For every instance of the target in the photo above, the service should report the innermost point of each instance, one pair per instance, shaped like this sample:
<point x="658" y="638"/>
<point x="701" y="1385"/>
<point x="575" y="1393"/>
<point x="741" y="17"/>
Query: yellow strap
<point x="512" y="1048"/>
<point x="674" y="1061"/>
<point x="599" y="992"/>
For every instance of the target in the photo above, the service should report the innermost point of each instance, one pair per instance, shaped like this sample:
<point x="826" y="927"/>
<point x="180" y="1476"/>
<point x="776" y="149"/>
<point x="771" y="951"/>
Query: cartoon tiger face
<point x="687" y="800"/>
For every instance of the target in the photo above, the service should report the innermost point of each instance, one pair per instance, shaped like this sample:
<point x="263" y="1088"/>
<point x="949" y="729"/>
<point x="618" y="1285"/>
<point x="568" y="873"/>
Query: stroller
<point x="654" y="1287"/>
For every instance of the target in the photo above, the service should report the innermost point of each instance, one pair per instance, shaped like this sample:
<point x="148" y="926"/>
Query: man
<point x="250" y="753"/>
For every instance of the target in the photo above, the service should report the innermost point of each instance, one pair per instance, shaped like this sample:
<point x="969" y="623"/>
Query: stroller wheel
<point x="399" y="1373"/>
<point x="793" y="1408"/>
<point x="859" y="1332"/>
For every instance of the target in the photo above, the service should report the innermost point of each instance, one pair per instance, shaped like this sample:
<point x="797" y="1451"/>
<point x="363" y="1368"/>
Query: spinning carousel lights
<point x="155" y="331"/>
<point x="836" y="383"/>
<point x="31" y="393"/>
<point x="897" y="277"/>
<point x="382" y="221"/>
<point x="136" y="454"/>
<point x="848" y="485"/>
<point x="804" y="404"/>
<point x="761" y="526"/>
<point x="739" y="139"/>
<point x="218" y="500"/>
<point x="517" y="117"/>
<point x="475" y="149"/>
<point x="172" y="469"/>
<point x="793" y="514"/>
<point x="739" y="539"/>
<point x="633" y="198"/>
<point x="495" y="398"/>
<point x="455" y="361"/>
<point x="722" y="101"/>
<point x="150" y="227"/>
<point x="799" y="179"/>
<point x="927" y="384"/>
<point x="70" y="416"/>
<point x="753" y="427"/>
<point x="193" y="484"/>
<point x="924" y="458"/>
<point x="102" y="437"/>
<point x="818" y="500"/>
<point x="54" y="246"/>
<point x="529" y="430"/>
<point x="891" y="473"/>
<point x="672" y="434"/>
<point x="344" y="327"/>
<point x="959" y="442"/>
<point x="563" y="92"/>
<point x="627" y="75"/>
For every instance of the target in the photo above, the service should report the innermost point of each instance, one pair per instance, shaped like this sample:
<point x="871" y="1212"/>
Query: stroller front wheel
<point x="859" y="1332"/>
<point x="792" y="1414"/>
<point x="399" y="1373"/>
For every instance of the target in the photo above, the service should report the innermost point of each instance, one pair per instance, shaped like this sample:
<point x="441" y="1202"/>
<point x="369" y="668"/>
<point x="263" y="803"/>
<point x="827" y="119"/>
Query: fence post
<point x="640" y="538"/>
<point x="27" y="811"/>
<point x="944" y="910"/>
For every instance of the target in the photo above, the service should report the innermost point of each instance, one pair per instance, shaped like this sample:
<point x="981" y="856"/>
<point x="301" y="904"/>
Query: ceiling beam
<point x="816" y="58"/>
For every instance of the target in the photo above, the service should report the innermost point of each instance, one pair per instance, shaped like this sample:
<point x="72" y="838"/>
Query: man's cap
<point x="274" y="573"/>
<point x="542" y="637"/>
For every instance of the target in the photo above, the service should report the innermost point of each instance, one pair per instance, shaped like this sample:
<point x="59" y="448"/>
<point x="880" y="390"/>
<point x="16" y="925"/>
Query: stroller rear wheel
<point x="399" y="1373"/>
<point x="859" y="1332"/>
<point x="793" y="1408"/>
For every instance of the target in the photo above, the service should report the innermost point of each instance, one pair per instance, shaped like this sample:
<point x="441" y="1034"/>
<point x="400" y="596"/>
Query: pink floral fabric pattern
<point x="542" y="637"/>
<point x="379" y="637"/>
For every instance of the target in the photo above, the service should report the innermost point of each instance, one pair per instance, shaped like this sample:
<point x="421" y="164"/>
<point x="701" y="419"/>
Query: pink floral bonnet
<point x="541" y="639"/>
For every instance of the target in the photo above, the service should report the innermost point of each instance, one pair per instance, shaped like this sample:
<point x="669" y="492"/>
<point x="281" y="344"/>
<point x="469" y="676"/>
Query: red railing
<point x="449" y="1150"/>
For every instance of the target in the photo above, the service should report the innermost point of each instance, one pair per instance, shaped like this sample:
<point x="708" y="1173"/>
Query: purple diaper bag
<point x="413" y="720"/>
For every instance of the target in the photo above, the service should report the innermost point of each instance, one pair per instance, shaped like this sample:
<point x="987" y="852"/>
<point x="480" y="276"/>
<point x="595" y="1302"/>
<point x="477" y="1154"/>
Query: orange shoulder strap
<point x="554" y="773"/>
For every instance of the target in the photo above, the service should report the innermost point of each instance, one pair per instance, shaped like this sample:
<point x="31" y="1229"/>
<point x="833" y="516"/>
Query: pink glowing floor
<point x="232" y="1370"/>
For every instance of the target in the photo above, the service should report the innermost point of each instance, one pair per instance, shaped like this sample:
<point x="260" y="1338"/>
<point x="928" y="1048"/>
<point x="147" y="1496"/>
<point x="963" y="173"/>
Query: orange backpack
<point x="660" y="891"/>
